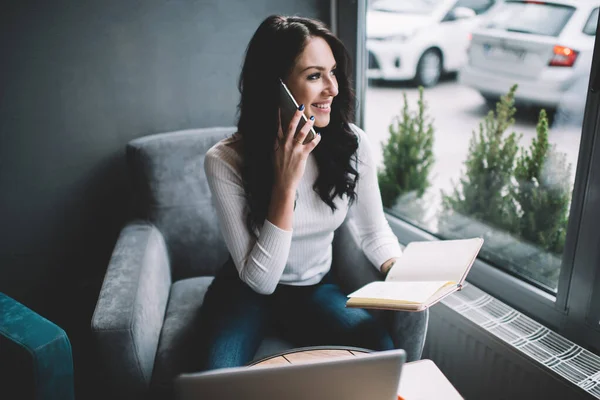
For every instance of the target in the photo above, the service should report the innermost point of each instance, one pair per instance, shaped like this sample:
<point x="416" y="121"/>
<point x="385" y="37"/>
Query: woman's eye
<point x="317" y="75"/>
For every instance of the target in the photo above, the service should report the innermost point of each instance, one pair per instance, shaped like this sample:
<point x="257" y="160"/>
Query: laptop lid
<point x="374" y="376"/>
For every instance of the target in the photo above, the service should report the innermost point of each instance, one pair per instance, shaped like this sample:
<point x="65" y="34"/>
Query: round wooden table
<point x="419" y="380"/>
<point x="310" y="354"/>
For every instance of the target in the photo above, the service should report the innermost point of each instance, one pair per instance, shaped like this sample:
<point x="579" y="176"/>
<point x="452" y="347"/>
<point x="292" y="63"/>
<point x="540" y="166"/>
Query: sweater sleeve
<point x="377" y="240"/>
<point x="260" y="263"/>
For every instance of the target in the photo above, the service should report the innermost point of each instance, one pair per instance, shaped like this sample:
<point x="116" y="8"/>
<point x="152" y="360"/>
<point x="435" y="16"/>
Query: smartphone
<point x="288" y="107"/>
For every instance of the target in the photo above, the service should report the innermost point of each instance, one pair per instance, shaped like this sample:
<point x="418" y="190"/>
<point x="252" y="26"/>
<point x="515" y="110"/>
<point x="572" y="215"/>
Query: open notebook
<point x="424" y="274"/>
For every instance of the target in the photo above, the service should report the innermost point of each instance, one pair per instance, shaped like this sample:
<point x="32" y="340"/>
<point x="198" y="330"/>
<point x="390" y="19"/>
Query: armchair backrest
<point x="171" y="191"/>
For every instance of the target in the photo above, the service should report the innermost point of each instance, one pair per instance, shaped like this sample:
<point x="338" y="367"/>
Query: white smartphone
<point x="288" y="107"/>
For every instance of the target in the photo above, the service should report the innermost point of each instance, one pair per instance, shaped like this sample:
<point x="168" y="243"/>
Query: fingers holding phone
<point x="306" y="138"/>
<point x="291" y="153"/>
<point x="292" y="129"/>
<point x="292" y="114"/>
<point x="296" y="135"/>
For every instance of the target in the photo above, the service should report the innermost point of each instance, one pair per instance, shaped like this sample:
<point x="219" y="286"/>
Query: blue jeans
<point x="235" y="319"/>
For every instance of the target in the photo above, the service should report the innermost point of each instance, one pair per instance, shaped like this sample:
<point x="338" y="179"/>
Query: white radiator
<point x="490" y="351"/>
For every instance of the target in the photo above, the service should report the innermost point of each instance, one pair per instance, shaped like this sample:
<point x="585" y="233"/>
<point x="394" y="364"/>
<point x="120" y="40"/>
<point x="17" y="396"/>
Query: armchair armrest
<point x="351" y="267"/>
<point x="131" y="306"/>
<point x="35" y="355"/>
<point x="352" y="270"/>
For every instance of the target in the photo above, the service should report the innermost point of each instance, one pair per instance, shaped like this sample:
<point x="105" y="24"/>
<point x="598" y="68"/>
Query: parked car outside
<point x="571" y="107"/>
<point x="420" y="39"/>
<point x="544" y="47"/>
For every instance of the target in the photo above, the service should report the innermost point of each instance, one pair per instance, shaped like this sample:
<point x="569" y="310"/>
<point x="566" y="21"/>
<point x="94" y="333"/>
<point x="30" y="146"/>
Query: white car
<point x="571" y="108"/>
<point x="544" y="47"/>
<point x="420" y="39"/>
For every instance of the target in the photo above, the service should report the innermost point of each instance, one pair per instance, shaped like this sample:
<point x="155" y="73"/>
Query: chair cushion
<point x="171" y="191"/>
<point x="178" y="342"/>
<point x="178" y="338"/>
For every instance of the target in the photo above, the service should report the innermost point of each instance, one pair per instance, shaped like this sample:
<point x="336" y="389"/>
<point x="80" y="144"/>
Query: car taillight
<point x="469" y="42"/>
<point x="563" y="57"/>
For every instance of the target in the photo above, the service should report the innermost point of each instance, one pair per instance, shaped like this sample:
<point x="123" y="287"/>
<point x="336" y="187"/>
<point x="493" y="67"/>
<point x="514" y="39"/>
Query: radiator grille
<point x="560" y="355"/>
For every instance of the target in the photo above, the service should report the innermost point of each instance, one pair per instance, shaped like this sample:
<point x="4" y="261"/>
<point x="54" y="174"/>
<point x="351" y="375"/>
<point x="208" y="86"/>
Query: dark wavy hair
<point x="271" y="54"/>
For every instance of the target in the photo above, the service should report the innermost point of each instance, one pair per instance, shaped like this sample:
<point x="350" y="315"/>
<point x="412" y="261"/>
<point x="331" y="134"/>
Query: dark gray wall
<point x="78" y="80"/>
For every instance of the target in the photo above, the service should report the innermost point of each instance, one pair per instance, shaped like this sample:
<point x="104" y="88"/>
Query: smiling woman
<point x="279" y="199"/>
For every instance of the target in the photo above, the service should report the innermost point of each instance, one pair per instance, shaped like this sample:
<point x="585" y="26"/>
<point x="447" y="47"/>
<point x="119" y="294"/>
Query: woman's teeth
<point x="322" y="106"/>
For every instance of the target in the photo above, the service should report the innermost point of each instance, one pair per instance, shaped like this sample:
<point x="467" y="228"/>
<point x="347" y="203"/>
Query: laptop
<point x="374" y="376"/>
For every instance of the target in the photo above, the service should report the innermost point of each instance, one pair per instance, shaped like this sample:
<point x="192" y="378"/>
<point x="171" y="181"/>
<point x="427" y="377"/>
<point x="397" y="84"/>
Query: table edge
<point x="308" y="348"/>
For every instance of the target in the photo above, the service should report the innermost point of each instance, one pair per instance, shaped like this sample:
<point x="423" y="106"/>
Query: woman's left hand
<point x="385" y="268"/>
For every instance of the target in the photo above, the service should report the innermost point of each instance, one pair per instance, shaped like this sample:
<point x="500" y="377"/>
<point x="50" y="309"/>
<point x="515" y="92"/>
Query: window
<point x="592" y="23"/>
<point x="444" y="172"/>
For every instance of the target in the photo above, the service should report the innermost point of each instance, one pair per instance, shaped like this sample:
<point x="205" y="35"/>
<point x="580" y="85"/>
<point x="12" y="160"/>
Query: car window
<point x="537" y="18"/>
<point x="406" y="6"/>
<point x="479" y="6"/>
<point x="592" y="23"/>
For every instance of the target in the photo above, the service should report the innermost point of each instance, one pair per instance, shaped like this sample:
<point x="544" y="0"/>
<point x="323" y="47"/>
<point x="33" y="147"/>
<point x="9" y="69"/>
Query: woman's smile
<point x="324" y="107"/>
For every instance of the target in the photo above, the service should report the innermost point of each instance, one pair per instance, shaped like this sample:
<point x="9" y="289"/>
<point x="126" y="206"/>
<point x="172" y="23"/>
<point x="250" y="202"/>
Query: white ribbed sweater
<point x="301" y="256"/>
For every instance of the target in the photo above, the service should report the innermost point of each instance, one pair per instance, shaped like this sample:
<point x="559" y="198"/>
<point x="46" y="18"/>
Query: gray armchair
<point x="145" y="322"/>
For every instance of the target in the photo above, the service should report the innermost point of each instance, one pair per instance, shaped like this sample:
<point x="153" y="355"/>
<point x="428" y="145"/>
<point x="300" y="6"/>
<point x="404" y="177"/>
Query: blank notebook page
<point x="443" y="260"/>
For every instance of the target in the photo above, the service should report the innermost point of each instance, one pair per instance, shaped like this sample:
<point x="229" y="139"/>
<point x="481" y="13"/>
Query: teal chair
<point x="35" y="355"/>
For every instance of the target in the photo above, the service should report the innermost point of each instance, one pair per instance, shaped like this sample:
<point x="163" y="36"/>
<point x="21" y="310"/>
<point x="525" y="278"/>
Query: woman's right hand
<point x="291" y="154"/>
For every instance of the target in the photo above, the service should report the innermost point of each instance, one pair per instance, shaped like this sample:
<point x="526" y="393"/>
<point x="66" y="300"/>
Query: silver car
<point x="544" y="47"/>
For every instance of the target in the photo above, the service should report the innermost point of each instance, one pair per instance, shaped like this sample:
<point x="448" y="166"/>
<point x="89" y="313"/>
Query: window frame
<point x="575" y="311"/>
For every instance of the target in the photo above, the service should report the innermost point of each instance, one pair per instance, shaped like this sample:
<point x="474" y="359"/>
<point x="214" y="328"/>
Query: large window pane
<point x="513" y="190"/>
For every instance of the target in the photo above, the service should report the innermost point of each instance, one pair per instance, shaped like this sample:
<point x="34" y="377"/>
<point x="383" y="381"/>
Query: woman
<point x="279" y="202"/>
